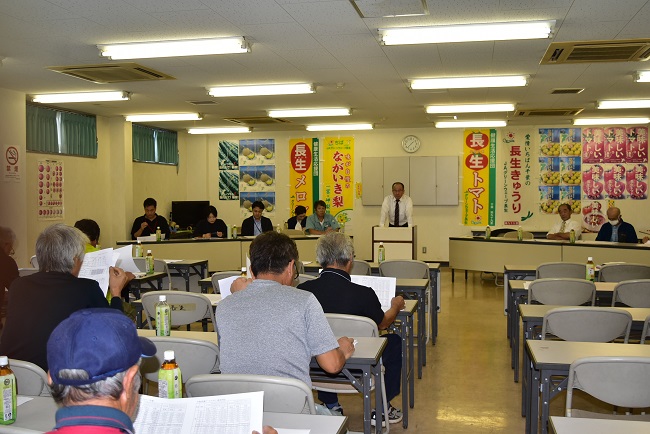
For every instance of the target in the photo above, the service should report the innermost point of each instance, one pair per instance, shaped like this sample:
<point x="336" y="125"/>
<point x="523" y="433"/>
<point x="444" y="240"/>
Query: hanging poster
<point x="303" y="173"/>
<point x="246" y="200"/>
<point x="50" y="190"/>
<point x="228" y="155"/>
<point x="338" y="178"/>
<point x="228" y="185"/>
<point x="257" y="152"/>
<point x="479" y="169"/>
<point x="519" y="199"/>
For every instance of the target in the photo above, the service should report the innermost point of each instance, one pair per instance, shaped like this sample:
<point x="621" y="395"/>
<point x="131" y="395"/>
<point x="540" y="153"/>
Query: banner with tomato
<point x="479" y="177"/>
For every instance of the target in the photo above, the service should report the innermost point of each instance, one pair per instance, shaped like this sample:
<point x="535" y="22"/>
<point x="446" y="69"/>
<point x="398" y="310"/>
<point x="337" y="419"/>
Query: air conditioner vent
<point x="257" y="120"/>
<point x="548" y="112"/>
<point x="567" y="90"/>
<point x="624" y="50"/>
<point x="112" y="72"/>
<point x="206" y="102"/>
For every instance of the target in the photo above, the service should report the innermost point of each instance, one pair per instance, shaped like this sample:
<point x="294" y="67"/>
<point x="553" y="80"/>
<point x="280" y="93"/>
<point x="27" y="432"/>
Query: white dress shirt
<point x="570" y="224"/>
<point x="388" y="211"/>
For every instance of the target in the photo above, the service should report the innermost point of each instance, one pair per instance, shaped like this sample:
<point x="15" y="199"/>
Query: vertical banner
<point x="303" y="173"/>
<point x="338" y="177"/>
<point x="519" y="198"/>
<point x="228" y="175"/>
<point x="479" y="167"/>
<point x="50" y="190"/>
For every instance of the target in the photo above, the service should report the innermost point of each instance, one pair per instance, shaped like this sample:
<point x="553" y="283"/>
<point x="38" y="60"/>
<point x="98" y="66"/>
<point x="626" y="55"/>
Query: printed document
<point x="384" y="287"/>
<point x="95" y="267"/>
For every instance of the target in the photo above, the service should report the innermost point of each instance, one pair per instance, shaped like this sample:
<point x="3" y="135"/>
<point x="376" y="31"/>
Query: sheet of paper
<point x="224" y="285"/>
<point x="125" y="259"/>
<point x="306" y="262"/>
<point x="237" y="414"/>
<point x="147" y="238"/>
<point x="22" y="399"/>
<point x="384" y="287"/>
<point x="95" y="267"/>
<point x="292" y="431"/>
<point x="171" y="261"/>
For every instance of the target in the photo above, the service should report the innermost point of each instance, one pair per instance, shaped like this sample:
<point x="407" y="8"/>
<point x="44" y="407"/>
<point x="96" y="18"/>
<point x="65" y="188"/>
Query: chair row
<point x="612" y="272"/>
<point x="575" y="292"/>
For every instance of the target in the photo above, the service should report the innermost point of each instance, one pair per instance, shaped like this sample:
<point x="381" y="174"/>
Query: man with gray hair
<point x="39" y="302"/>
<point x="337" y="294"/>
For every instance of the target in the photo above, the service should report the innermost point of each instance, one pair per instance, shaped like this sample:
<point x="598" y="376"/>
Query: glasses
<point x="295" y="270"/>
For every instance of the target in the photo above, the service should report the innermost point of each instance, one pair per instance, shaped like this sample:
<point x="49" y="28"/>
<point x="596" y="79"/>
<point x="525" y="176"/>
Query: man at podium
<point x="397" y="208"/>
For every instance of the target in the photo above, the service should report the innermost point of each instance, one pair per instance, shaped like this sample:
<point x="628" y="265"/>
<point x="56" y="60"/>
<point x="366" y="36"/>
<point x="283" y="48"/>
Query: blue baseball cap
<point x="100" y="341"/>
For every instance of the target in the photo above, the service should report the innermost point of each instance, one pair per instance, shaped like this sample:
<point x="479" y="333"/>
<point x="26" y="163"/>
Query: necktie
<point x="397" y="212"/>
<point x="562" y="227"/>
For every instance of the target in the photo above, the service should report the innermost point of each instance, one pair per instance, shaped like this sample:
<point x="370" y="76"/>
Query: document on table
<point x="384" y="287"/>
<point x="225" y="284"/>
<point x="236" y="414"/>
<point x="95" y="267"/>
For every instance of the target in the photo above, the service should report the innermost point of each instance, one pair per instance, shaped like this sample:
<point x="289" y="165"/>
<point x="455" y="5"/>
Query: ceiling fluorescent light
<point x="623" y="104"/>
<point x="471" y="124"/>
<point x="339" y="127"/>
<point x="220" y="130"/>
<point x="469" y="82"/>
<point x="262" y="89"/>
<point x="467" y="32"/>
<point x="174" y="48"/>
<point x="164" y="117"/>
<point x="51" y="98"/>
<point x="642" y="77"/>
<point x="610" y="121"/>
<point x="470" y="108"/>
<point x="302" y="113"/>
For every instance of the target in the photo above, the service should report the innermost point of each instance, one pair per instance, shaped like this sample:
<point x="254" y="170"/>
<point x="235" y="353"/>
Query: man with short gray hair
<point x="39" y="302"/>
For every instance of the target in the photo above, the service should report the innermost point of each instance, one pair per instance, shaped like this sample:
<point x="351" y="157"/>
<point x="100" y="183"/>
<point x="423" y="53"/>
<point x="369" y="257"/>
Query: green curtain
<point x="79" y="134"/>
<point x="143" y="144"/>
<point x="42" y="135"/>
<point x="167" y="142"/>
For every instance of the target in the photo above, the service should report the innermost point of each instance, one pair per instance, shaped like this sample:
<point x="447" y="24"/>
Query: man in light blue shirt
<point x="320" y="222"/>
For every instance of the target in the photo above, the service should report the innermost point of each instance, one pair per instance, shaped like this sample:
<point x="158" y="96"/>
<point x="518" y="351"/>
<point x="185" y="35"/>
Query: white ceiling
<point x="320" y="41"/>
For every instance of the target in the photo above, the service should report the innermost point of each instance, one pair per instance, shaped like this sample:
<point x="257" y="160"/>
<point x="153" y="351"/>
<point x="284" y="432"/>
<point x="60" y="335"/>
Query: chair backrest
<point x="618" y="381"/>
<point x="571" y="270"/>
<point x="22" y="272"/>
<point x="623" y="271"/>
<point x="633" y="293"/>
<point x="646" y="329"/>
<point x="587" y="324"/>
<point x="187" y="307"/>
<point x="33" y="261"/>
<point x="562" y="291"/>
<point x="303" y="278"/>
<point x="31" y="379"/>
<point x="194" y="357"/>
<point x="404" y="269"/>
<point x="159" y="266"/>
<point x="500" y="232"/>
<point x="525" y="235"/>
<point x="281" y="395"/>
<point x="351" y="325"/>
<point x="216" y="277"/>
<point x="360" y="268"/>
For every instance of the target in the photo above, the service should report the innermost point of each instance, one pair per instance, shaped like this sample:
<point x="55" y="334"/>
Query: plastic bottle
<point x="163" y="317"/>
<point x="591" y="269"/>
<point x="572" y="236"/>
<point x="234" y="231"/>
<point x="138" y="250"/>
<point x="229" y="232"/>
<point x="148" y="260"/>
<point x="244" y="272"/>
<point x="158" y="234"/>
<point x="381" y="254"/>
<point x="488" y="232"/>
<point x="278" y="229"/>
<point x="170" y="383"/>
<point x="7" y="392"/>
<point x="342" y="229"/>
<point x="520" y="233"/>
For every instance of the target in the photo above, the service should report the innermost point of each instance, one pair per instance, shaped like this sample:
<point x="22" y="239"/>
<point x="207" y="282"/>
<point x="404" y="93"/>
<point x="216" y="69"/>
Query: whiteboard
<point x="423" y="180"/>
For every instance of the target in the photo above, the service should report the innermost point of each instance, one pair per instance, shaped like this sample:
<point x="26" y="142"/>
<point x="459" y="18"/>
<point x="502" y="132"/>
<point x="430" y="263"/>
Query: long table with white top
<point x="580" y="425"/>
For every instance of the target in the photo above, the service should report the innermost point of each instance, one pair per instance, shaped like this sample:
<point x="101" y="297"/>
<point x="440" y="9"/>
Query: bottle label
<point x="382" y="254"/>
<point x="149" y="264"/>
<point x="163" y="320"/>
<point x="8" y="387"/>
<point x="591" y="272"/>
<point x="170" y="384"/>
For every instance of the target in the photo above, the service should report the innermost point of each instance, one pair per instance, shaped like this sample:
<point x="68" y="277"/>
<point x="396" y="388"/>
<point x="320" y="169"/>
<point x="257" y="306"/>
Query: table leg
<point x="411" y="377"/>
<point x="515" y="348"/>
<point x="405" y="370"/>
<point x="379" y="396"/>
<point x="366" y="402"/>
<point x="421" y="327"/>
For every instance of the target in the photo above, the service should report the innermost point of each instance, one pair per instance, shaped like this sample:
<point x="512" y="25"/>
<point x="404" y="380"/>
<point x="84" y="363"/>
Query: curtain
<point x="143" y="144"/>
<point x="167" y="142"/>
<point x="78" y="134"/>
<point x="42" y="134"/>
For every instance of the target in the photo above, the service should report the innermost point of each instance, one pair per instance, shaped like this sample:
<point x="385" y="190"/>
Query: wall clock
<point x="411" y="143"/>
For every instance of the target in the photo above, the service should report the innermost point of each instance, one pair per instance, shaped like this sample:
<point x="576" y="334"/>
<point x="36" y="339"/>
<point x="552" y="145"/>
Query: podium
<point x="400" y="243"/>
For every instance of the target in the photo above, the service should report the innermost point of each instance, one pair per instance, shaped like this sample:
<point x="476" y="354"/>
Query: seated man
<point x="147" y="224"/>
<point x="39" y="302"/>
<point x="91" y="229"/>
<point x="321" y="222"/>
<point x="562" y="229"/>
<point x="257" y="223"/>
<point x="298" y="220"/>
<point x="616" y="230"/>
<point x="267" y="327"/>
<point x="337" y="294"/>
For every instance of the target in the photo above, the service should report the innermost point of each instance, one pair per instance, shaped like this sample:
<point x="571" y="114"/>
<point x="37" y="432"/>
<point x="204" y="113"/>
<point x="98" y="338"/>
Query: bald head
<point x="613" y="213"/>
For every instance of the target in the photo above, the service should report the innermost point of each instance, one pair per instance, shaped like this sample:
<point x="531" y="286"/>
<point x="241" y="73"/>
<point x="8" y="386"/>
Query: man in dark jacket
<point x="616" y="230"/>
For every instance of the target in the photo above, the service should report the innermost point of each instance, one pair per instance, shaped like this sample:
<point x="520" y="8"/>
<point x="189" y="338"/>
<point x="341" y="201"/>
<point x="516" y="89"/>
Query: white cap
<point x="148" y="251"/>
<point x="4" y="360"/>
<point x="162" y="298"/>
<point x="589" y="258"/>
<point x="139" y="241"/>
<point x="168" y="354"/>
<point x="244" y="270"/>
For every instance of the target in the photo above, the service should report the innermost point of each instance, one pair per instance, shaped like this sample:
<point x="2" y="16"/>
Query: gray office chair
<point x="22" y="272"/>
<point x="404" y="269"/>
<point x="281" y="395"/>
<point x="513" y="235"/>
<point x="303" y="278"/>
<point x="618" y="381"/>
<point x="31" y="380"/>
<point x="633" y="293"/>
<point x="562" y="291"/>
<point x="159" y="266"/>
<point x="216" y="277"/>
<point x="646" y="329"/>
<point x="360" y="268"/>
<point x="587" y="324"/>
<point x="570" y="270"/>
<point x="187" y="307"/>
<point x="623" y="271"/>
<point x="33" y="261"/>
<point x="194" y="357"/>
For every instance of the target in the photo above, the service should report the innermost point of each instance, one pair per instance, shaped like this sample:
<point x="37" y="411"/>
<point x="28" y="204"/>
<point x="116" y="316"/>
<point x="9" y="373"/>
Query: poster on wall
<point x="228" y="155"/>
<point x="519" y="196"/>
<point x="246" y="200"/>
<point x="479" y="174"/>
<point x="338" y="178"/>
<point x="303" y="173"/>
<point x="11" y="167"/>
<point x="228" y="185"/>
<point x="50" y="190"/>
<point x="257" y="152"/>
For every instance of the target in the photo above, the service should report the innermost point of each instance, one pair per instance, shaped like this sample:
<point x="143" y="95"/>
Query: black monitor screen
<point x="188" y="212"/>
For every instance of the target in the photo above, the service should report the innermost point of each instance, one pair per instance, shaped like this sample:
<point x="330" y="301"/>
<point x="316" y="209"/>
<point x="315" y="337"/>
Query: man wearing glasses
<point x="397" y="208"/>
<point x="267" y="327"/>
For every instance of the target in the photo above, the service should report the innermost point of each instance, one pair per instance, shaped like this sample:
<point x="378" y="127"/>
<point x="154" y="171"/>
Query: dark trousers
<point x="392" y="360"/>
